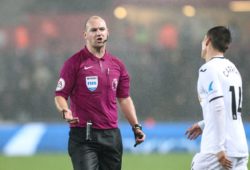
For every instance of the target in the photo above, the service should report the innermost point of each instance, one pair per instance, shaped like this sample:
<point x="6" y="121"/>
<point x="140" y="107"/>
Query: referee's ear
<point x="84" y="34"/>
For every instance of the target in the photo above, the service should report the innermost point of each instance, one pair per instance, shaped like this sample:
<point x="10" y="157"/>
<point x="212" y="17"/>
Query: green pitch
<point x="173" y="161"/>
<point x="130" y="162"/>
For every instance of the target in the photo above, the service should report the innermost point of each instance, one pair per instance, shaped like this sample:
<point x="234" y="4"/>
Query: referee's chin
<point x="100" y="45"/>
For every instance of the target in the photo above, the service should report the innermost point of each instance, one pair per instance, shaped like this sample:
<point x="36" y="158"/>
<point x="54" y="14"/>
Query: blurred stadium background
<point x="159" y="41"/>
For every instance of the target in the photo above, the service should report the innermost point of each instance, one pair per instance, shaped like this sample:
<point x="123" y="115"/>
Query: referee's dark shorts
<point x="103" y="152"/>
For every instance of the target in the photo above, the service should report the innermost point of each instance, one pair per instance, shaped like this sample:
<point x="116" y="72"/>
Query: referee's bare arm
<point x="63" y="108"/>
<point x="128" y="108"/>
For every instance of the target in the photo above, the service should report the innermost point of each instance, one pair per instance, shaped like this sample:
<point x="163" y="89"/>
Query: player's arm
<point x="128" y="108"/>
<point x="211" y="84"/>
<point x="217" y="108"/>
<point x="217" y="113"/>
<point x="195" y="130"/>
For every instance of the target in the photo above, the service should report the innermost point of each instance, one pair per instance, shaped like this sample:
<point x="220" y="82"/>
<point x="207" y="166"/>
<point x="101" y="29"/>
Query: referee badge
<point x="92" y="82"/>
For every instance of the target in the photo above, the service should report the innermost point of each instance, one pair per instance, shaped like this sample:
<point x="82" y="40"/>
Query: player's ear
<point x="208" y="40"/>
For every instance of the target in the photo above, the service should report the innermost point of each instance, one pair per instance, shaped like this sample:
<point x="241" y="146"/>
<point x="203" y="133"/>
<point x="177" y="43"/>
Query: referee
<point x="92" y="79"/>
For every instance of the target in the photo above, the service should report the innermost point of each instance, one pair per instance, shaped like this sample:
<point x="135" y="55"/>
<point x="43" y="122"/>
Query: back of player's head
<point x="220" y="38"/>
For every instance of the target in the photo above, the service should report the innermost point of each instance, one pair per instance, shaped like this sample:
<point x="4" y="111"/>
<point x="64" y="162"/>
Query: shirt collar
<point x="217" y="56"/>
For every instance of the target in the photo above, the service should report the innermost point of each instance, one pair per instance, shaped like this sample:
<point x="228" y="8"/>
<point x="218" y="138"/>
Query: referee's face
<point x="96" y="33"/>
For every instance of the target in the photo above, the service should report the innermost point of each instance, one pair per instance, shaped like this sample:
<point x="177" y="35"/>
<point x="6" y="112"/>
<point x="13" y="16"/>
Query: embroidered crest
<point x="92" y="82"/>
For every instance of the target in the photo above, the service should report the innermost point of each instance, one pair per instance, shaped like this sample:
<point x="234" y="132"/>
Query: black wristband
<point x="63" y="113"/>
<point x="137" y="135"/>
<point x="137" y="126"/>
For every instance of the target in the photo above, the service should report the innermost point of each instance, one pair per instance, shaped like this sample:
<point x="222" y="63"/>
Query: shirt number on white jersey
<point x="235" y="108"/>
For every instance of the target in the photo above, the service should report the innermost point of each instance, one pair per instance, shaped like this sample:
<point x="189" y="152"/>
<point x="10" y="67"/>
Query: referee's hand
<point x="68" y="116"/>
<point x="139" y="137"/>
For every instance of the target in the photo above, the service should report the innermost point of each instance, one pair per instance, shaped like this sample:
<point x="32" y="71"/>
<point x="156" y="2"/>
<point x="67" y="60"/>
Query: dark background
<point x="159" y="44"/>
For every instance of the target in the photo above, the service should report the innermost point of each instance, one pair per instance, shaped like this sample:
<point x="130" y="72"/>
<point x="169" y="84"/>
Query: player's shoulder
<point x="207" y="71"/>
<point x="214" y="65"/>
<point x="222" y="64"/>
<point x="229" y="62"/>
<point x="205" y="68"/>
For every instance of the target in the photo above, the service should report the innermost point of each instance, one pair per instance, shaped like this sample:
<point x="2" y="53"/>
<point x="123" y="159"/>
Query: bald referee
<point x="223" y="143"/>
<point x="92" y="79"/>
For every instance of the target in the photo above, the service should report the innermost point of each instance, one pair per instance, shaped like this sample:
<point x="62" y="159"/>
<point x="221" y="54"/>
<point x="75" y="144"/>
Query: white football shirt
<point x="220" y="94"/>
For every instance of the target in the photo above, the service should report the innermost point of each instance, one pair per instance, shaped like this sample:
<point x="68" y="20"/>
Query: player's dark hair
<point x="220" y="37"/>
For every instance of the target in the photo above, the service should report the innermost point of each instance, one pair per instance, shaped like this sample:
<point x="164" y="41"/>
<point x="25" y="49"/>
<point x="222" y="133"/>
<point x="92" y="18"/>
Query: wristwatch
<point x="137" y="126"/>
<point x="63" y="113"/>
